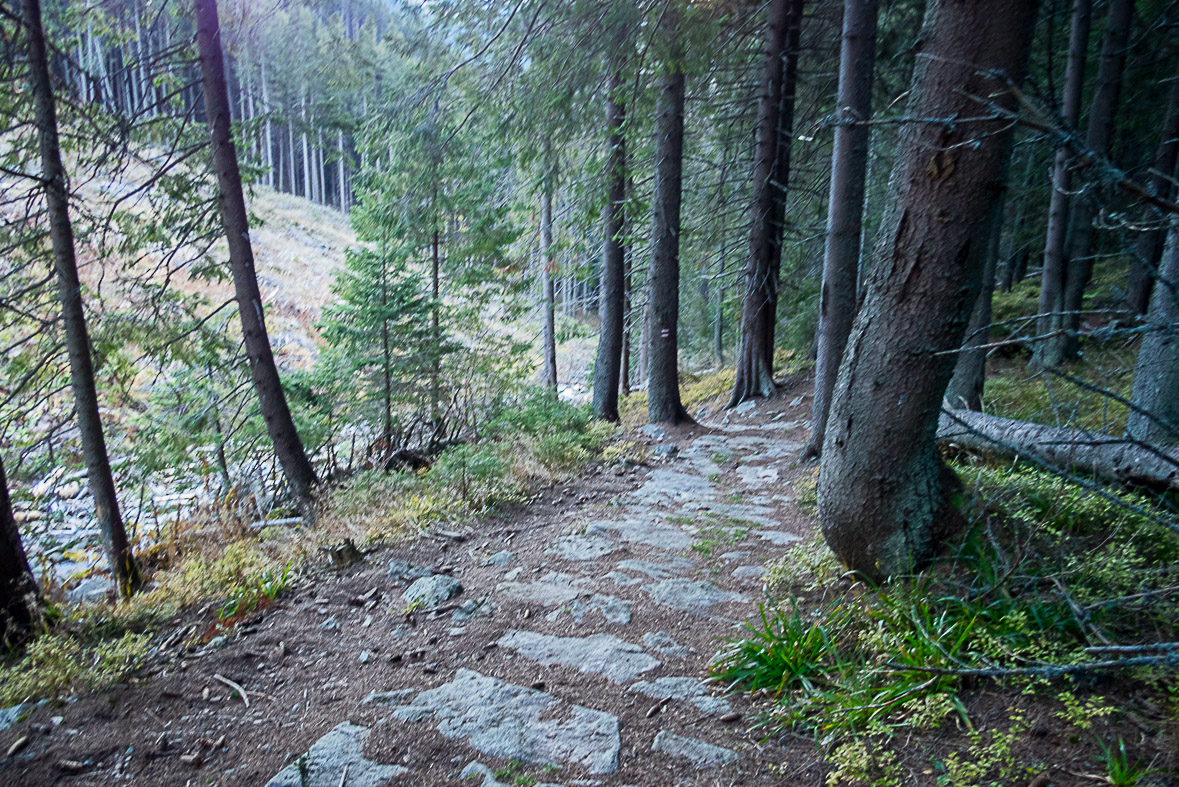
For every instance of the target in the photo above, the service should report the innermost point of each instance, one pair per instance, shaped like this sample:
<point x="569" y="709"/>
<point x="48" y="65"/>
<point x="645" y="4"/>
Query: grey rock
<point x="650" y="528"/>
<point x="653" y="431"/>
<point x="613" y="609"/>
<point x="757" y="476"/>
<point x="623" y="580"/>
<point x="475" y="608"/>
<point x="500" y="558"/>
<point x="10" y="716"/>
<point x="583" y="547"/>
<point x="736" y="554"/>
<point x="330" y="624"/>
<point x="672" y="486"/>
<point x="777" y="537"/>
<point x="403" y="569"/>
<point x="502" y="719"/>
<point x="662" y="643"/>
<point x="685" y="689"/>
<point x="603" y="654"/>
<point x="365" y="657"/>
<point x="552" y="590"/>
<point x="91" y="590"/>
<point x="689" y="595"/>
<point x="672" y="568"/>
<point x="324" y="763"/>
<point x="429" y="592"/>
<point x="703" y="755"/>
<point x="665" y="449"/>
<point x="745" y="407"/>
<point x="749" y="572"/>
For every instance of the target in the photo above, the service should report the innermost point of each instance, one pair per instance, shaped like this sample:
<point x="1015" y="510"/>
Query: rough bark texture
<point x="1105" y="457"/>
<point x="61" y="234"/>
<point x="18" y="590"/>
<point x="548" y="266"/>
<point x="845" y="206"/>
<point x="884" y="494"/>
<point x="612" y="305"/>
<point x="1098" y="135"/>
<point x="1149" y="247"/>
<point x="279" y="425"/>
<point x="1156" y="376"/>
<point x="771" y="171"/>
<point x="663" y="294"/>
<point x="1048" y="352"/>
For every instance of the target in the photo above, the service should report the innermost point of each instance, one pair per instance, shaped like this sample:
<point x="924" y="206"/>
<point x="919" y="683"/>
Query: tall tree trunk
<point x="288" y="448"/>
<point x="306" y="150"/>
<point x="270" y="175"/>
<point x="771" y="168"/>
<point x="1149" y="246"/>
<point x="19" y="594"/>
<point x="61" y="236"/>
<point x="1048" y="352"/>
<point x="608" y="365"/>
<point x="627" y="321"/>
<point x="436" y="336"/>
<point x="548" y="268"/>
<point x="885" y="496"/>
<point x="845" y="205"/>
<point x="340" y="170"/>
<point x="291" y="152"/>
<point x="663" y="293"/>
<point x="1156" y="376"/>
<point x="1098" y="135"/>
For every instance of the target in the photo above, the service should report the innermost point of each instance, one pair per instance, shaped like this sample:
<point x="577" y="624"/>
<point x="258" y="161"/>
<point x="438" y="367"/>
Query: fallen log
<point x="1115" y="460"/>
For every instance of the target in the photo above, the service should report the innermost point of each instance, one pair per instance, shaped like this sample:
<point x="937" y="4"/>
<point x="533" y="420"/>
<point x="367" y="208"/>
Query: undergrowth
<point x="1051" y="578"/>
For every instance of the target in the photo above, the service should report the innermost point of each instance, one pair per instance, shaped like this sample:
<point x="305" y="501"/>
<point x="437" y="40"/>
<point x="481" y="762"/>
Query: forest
<point x="378" y="374"/>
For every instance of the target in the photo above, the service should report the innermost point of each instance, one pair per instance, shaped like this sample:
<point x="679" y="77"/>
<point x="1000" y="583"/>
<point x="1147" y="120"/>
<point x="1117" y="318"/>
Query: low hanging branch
<point x="1108" y="458"/>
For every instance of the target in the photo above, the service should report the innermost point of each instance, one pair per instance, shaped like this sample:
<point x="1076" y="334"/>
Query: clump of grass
<point x="625" y="451"/>
<point x="60" y="664"/>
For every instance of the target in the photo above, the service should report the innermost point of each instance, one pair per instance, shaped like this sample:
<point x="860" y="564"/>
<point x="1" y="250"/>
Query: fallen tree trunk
<point x="1106" y="457"/>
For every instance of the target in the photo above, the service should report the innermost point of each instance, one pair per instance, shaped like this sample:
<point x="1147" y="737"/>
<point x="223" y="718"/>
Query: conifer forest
<point x="588" y="392"/>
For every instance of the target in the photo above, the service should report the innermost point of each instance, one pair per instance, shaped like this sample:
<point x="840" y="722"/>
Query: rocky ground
<point x="566" y="642"/>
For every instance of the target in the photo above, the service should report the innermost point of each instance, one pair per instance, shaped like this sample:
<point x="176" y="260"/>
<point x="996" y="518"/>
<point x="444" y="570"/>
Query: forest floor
<point x="576" y="652"/>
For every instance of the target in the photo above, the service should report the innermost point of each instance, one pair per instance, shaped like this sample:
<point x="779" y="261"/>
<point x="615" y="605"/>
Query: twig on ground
<point x="241" y="692"/>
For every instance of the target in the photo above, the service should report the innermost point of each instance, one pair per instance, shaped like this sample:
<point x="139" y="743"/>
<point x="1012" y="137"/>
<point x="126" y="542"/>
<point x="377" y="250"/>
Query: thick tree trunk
<point x="771" y="171"/>
<point x="884" y="494"/>
<point x="288" y="448"/>
<point x="663" y="291"/>
<point x="548" y="267"/>
<point x="61" y="236"/>
<point x="1047" y="353"/>
<point x="608" y="364"/>
<point x="1156" y="376"/>
<point x="627" y="325"/>
<point x="19" y="594"/>
<point x="845" y="206"/>
<point x="1098" y="135"/>
<point x="1149" y="247"/>
<point x="1111" y="459"/>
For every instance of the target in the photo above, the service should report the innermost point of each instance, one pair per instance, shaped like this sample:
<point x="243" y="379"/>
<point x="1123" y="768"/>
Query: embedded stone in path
<point x="703" y="755"/>
<point x="749" y="572"/>
<point x="587" y="547"/>
<point x="403" y="569"/>
<point x="662" y="643"/>
<point x="603" y="654"/>
<point x="325" y="762"/>
<point x="689" y="595"/>
<point x="684" y="689"/>
<point x="429" y="592"/>
<point x="757" y="476"/>
<point x="777" y="537"/>
<point x="613" y="609"/>
<point x="670" y="486"/>
<point x="500" y="558"/>
<point x="551" y="590"/>
<point x="502" y="719"/>
<point x="651" y="529"/>
<point x="672" y="568"/>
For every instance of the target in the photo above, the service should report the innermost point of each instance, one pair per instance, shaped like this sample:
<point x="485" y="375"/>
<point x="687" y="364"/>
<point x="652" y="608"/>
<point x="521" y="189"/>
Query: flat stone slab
<point x="429" y="592"/>
<point x="671" y="486"/>
<point x="703" y="755"/>
<point x="689" y="595"/>
<point x="613" y="609"/>
<point x="749" y="572"/>
<point x="403" y="569"/>
<point x="675" y="567"/>
<point x="502" y="719"/>
<point x="777" y="537"/>
<point x="685" y="689"/>
<point x="652" y="530"/>
<point x="662" y="643"/>
<point x="742" y="513"/>
<point x="551" y="590"/>
<point x="324" y="763"/>
<point x="500" y="558"/>
<point x="757" y="476"/>
<point x="602" y="654"/>
<point x="586" y="547"/>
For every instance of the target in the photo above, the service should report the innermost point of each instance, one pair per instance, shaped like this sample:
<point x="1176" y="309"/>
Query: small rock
<point x="704" y="755"/>
<point x="403" y="569"/>
<point x="666" y="449"/>
<point x="69" y="491"/>
<point x="498" y="559"/>
<point x="365" y="657"/>
<point x="331" y="624"/>
<point x="429" y="592"/>
<point x="196" y="759"/>
<point x="796" y="401"/>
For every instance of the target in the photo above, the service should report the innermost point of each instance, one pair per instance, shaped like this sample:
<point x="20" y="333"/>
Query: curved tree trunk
<point x="61" y="235"/>
<point x="1051" y="322"/>
<point x="663" y="293"/>
<point x="1098" y="135"/>
<point x="845" y="205"/>
<point x="884" y="494"/>
<point x="608" y="365"/>
<point x="288" y="448"/>
<point x="771" y="171"/>
<point x="19" y="594"/>
<point x="1156" y="375"/>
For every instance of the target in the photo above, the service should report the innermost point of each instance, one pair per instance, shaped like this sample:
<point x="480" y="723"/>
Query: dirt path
<point x="573" y="655"/>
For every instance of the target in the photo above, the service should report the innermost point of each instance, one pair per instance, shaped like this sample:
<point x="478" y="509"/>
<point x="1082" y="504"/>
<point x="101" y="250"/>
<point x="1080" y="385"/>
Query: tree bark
<point x="19" y="594"/>
<point x="1149" y="247"/>
<point x="771" y="170"/>
<point x="1111" y="459"/>
<point x="1051" y="323"/>
<point x="663" y="293"/>
<point x="608" y="364"/>
<point x="1156" y="375"/>
<point x="548" y="267"/>
<point x="884" y="494"/>
<point x="288" y="448"/>
<point x="1098" y="135"/>
<point x="845" y="206"/>
<point x="61" y="234"/>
